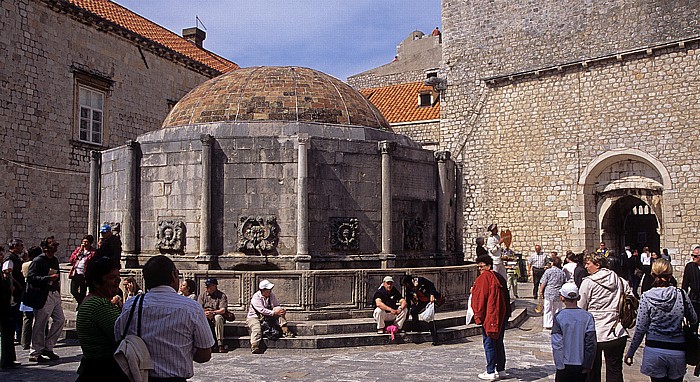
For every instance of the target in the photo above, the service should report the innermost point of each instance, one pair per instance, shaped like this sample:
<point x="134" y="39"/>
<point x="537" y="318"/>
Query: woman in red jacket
<point x="491" y="305"/>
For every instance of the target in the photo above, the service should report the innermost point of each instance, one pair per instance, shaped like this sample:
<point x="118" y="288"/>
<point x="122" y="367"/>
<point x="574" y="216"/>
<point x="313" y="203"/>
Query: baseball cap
<point x="265" y="284"/>
<point x="211" y="280"/>
<point x="388" y="279"/>
<point x="105" y="228"/>
<point x="569" y="291"/>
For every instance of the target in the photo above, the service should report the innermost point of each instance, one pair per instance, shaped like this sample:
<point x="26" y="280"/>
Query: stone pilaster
<point x="302" y="258"/>
<point x="94" y="193"/>
<point x="204" y="259"/>
<point x="129" y="230"/>
<point x="443" y="199"/>
<point x="385" y="149"/>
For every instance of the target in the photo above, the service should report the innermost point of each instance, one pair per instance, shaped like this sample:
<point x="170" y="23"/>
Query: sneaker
<point x="380" y="331"/>
<point x="502" y="374"/>
<point x="486" y="376"/>
<point x="50" y="355"/>
<point x="255" y="350"/>
<point x="38" y="358"/>
<point x="288" y="334"/>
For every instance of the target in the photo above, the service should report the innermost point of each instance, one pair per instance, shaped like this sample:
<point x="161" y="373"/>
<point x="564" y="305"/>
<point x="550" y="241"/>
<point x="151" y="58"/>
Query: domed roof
<point x="275" y="93"/>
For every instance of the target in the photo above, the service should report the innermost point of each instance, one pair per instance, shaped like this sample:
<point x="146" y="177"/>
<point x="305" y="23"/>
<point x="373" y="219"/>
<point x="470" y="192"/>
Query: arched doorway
<point x="630" y="221"/>
<point x="621" y="193"/>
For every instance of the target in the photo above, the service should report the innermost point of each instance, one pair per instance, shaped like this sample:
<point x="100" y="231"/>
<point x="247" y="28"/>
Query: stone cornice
<point x="589" y="62"/>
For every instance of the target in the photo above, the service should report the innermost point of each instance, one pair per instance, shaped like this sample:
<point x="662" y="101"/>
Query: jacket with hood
<point x="660" y="316"/>
<point x="490" y="303"/>
<point x="600" y="295"/>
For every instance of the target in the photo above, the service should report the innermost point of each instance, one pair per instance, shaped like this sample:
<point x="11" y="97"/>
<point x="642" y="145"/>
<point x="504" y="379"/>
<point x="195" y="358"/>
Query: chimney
<point x="194" y="35"/>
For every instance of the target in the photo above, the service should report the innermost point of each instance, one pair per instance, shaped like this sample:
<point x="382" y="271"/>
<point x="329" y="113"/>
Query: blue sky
<point x="338" y="37"/>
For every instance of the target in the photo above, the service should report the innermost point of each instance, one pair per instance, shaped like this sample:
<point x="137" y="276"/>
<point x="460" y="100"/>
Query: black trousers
<point x="78" y="288"/>
<point x="414" y="310"/>
<point x="613" y="361"/>
<point x="7" y="342"/>
<point x="696" y="305"/>
<point x="536" y="277"/>
<point x="570" y="373"/>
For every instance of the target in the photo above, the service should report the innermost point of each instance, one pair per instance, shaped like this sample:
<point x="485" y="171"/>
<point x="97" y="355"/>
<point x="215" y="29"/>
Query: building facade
<point x="78" y="76"/>
<point x="576" y="122"/>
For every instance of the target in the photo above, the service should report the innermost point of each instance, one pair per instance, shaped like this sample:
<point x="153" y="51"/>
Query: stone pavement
<point x="528" y="352"/>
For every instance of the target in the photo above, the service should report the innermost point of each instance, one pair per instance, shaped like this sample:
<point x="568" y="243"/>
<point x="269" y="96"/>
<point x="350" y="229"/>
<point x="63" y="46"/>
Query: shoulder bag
<point x="692" y="341"/>
<point x="269" y="325"/>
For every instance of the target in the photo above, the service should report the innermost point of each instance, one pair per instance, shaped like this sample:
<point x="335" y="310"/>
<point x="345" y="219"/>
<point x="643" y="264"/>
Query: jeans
<point x="495" y="350"/>
<point x="613" y="361"/>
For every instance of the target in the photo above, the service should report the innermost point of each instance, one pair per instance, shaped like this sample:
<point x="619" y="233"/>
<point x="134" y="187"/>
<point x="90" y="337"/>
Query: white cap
<point x="569" y="291"/>
<point x="265" y="284"/>
<point x="388" y="279"/>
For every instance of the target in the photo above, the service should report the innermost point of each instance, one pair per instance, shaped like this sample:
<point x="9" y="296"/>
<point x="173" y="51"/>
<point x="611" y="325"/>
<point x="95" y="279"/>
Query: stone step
<point x="343" y="326"/>
<point x="370" y="338"/>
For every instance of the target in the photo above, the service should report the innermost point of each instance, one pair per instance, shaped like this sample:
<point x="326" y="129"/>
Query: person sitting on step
<point x="390" y="305"/>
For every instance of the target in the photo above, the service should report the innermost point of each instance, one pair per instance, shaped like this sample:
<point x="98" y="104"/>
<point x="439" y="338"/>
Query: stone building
<point x="576" y="122"/>
<point x="77" y="76"/>
<point x="399" y="91"/>
<point x="281" y="168"/>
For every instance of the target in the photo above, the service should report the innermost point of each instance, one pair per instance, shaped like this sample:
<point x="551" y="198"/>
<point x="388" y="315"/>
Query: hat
<point x="105" y="228"/>
<point x="491" y="227"/>
<point x="388" y="279"/>
<point x="211" y="280"/>
<point x="265" y="284"/>
<point x="569" y="291"/>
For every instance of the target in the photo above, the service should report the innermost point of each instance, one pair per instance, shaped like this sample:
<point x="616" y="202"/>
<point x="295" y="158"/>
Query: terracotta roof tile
<point x="129" y="20"/>
<point x="399" y="103"/>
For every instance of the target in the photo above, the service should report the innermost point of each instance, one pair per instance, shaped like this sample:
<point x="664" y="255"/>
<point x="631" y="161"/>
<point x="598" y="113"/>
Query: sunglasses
<point x="695" y="256"/>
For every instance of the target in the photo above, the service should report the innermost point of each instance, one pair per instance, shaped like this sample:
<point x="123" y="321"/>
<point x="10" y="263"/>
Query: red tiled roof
<point x="129" y="20"/>
<point x="399" y="103"/>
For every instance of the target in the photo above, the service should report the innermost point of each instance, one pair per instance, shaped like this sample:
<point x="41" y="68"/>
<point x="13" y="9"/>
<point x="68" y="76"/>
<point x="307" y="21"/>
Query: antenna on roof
<point x="198" y="22"/>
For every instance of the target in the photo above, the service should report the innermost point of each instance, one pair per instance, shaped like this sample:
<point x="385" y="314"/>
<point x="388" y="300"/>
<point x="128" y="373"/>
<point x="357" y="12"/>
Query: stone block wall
<point x="526" y="141"/>
<point x="45" y="181"/>
<point x="425" y="133"/>
<point x="530" y="158"/>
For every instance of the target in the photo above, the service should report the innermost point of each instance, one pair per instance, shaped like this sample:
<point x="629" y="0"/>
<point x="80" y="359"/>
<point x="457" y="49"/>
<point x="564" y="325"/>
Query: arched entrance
<point x="630" y="222"/>
<point x="621" y="193"/>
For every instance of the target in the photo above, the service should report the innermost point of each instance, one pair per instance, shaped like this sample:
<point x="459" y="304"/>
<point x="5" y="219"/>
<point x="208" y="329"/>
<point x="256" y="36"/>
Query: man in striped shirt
<point x="174" y="327"/>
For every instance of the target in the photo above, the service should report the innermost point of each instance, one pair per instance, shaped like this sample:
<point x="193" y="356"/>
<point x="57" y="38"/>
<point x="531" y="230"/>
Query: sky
<point x="337" y="37"/>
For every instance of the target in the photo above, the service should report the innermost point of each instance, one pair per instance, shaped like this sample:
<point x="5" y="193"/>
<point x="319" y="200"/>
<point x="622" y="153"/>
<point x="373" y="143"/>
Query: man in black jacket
<point x="109" y="245"/>
<point x="691" y="281"/>
<point x="44" y="295"/>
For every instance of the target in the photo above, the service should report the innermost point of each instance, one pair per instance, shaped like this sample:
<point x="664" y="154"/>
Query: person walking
<point x="691" y="282"/>
<point x="550" y="284"/>
<point x="491" y="305"/>
<point x="600" y="295"/>
<point x="573" y="338"/>
<point x="536" y="264"/>
<point x="660" y="319"/>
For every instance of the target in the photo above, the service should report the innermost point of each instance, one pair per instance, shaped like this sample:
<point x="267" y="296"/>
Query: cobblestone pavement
<point x="528" y="351"/>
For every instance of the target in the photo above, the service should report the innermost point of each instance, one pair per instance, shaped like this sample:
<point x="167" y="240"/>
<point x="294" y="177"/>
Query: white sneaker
<point x="502" y="374"/>
<point x="488" y="376"/>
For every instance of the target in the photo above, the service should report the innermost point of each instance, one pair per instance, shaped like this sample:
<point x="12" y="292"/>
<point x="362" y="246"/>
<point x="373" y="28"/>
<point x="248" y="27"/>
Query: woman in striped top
<point x="95" y="323"/>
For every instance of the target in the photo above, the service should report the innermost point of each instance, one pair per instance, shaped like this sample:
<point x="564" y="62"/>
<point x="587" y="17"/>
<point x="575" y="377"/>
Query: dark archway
<point x="631" y="221"/>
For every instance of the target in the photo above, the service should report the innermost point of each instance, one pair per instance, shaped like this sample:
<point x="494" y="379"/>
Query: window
<point x="425" y="99"/>
<point x="91" y="112"/>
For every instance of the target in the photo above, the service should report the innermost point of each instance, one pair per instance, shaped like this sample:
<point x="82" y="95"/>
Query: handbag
<point x="692" y="341"/>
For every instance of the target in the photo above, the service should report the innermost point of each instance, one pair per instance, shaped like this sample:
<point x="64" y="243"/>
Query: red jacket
<point x="74" y="259"/>
<point x="489" y="303"/>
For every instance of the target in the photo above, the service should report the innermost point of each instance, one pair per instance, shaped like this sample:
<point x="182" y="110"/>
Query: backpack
<point x="626" y="309"/>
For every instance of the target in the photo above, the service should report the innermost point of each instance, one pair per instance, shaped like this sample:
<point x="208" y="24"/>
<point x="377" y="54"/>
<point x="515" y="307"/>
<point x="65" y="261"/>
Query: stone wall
<point x="45" y="187"/>
<point x="532" y="143"/>
<point x="320" y="294"/>
<point x="425" y="133"/>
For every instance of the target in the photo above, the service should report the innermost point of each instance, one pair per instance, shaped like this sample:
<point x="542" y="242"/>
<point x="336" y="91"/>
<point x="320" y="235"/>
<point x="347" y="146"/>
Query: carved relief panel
<point x="258" y="233"/>
<point x="343" y="234"/>
<point x="413" y="234"/>
<point x="171" y="236"/>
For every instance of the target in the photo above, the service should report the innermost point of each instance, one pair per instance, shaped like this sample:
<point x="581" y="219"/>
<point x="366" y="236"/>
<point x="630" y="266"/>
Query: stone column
<point x="385" y="149"/>
<point x="302" y="259"/>
<point x="94" y="194"/>
<point x="459" y="209"/>
<point x="204" y="259"/>
<point x="129" y="229"/>
<point x="443" y="199"/>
